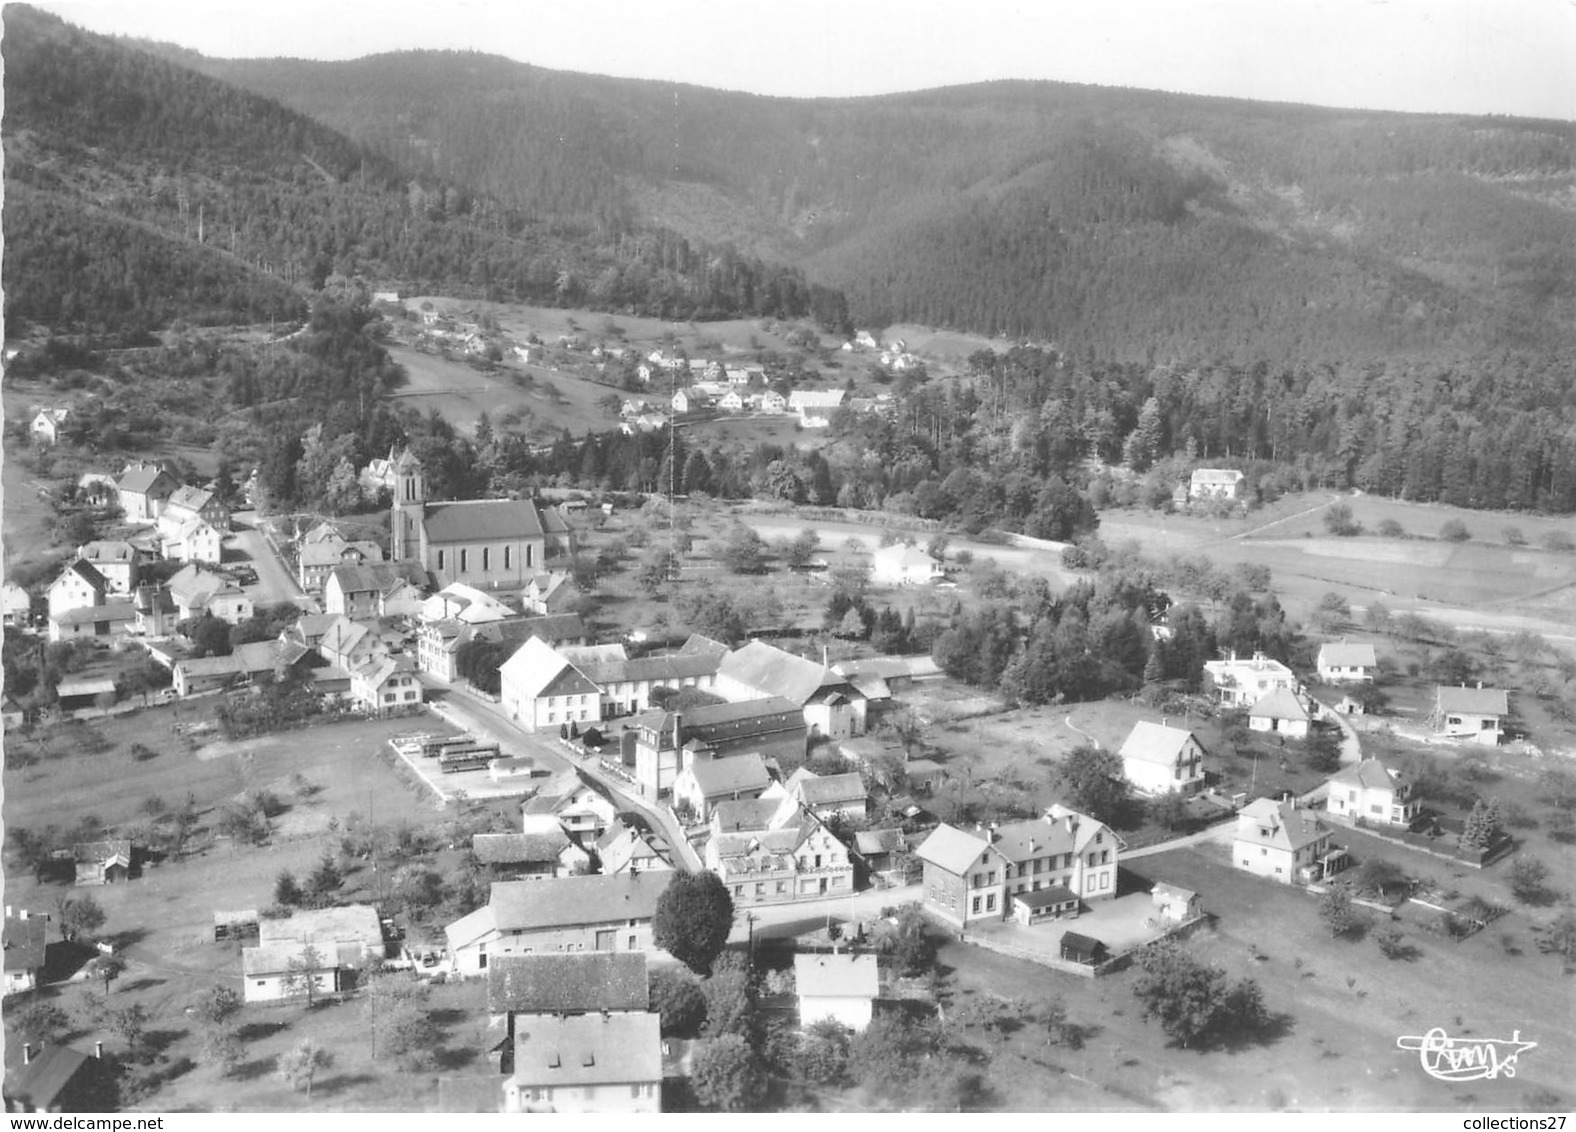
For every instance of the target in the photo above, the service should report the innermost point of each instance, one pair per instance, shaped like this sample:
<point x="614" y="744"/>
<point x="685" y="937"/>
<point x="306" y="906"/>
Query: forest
<point x="1140" y="225"/>
<point x="140" y="190"/>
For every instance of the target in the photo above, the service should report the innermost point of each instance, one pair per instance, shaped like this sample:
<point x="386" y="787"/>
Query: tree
<point x="1528" y="877"/>
<point x="287" y="892"/>
<point x="727" y="1076"/>
<point x="299" y="1064"/>
<point x="301" y="974"/>
<point x="1337" y="912"/>
<point x="1091" y="781"/>
<point x="743" y="551"/>
<point x="41" y="1022"/>
<point x="129" y="1024"/>
<point x="679" y="1000"/>
<point x="1478" y="831"/>
<point x="1338" y="521"/>
<point x="823" y="1053"/>
<point x="911" y="945"/>
<point x="216" y="1006"/>
<point x="1332" y="611"/>
<point x="1169" y="809"/>
<point x="1454" y="530"/>
<point x="401" y="1024"/>
<point x="108" y="968"/>
<point x="1560" y="938"/>
<point x="326" y="877"/>
<point x="1379" y="876"/>
<point x="79" y="916"/>
<point x="801" y="549"/>
<point x="1322" y="749"/>
<point x="693" y="918"/>
<point x="730" y="999"/>
<point x="1191" y="999"/>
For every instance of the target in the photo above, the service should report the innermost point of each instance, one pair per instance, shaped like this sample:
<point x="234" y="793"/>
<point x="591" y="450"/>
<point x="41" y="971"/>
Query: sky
<point x="1452" y="56"/>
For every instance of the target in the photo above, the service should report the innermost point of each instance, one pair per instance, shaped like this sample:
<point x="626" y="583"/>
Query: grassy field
<point x="1342" y="1007"/>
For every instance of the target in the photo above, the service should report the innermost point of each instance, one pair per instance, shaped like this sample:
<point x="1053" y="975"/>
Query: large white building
<point x="542" y="691"/>
<point x="1242" y="683"/>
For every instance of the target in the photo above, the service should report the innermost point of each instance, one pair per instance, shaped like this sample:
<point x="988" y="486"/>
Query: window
<point x="1098" y="838"/>
<point x="818" y="860"/>
<point x="632" y="943"/>
<point x="990" y="903"/>
<point x="634" y="1090"/>
<point x="262" y="982"/>
<point x="440" y="560"/>
<point x="975" y="905"/>
<point x="465" y="556"/>
<point x="1264" y="852"/>
<point x="1376" y="809"/>
<point x="486" y="558"/>
<point x="527" y="556"/>
<point x="760" y="888"/>
<point x="990" y="877"/>
<point x="1038" y="861"/>
<point x="506" y="556"/>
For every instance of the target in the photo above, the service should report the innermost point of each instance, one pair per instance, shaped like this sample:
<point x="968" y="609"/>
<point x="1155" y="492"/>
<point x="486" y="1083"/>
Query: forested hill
<point x="1130" y="223"/>
<point x="139" y="191"/>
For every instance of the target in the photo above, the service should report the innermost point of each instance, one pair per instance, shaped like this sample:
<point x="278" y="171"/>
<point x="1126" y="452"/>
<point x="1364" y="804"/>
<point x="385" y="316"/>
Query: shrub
<point x="1454" y="531"/>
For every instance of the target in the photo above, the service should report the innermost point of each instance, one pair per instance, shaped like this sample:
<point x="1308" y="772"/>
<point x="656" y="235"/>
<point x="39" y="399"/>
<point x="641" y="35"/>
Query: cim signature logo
<point x="1466" y="1059"/>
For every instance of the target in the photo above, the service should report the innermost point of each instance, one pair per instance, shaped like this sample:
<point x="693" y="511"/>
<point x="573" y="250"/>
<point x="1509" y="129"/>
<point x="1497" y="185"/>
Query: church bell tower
<point x="410" y="496"/>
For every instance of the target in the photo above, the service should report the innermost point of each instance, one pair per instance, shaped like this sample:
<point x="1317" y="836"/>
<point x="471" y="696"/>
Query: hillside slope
<point x="1128" y="222"/>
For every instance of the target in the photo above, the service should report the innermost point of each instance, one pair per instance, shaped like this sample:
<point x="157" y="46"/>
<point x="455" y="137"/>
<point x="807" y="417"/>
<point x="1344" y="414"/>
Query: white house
<point x="681" y="402"/>
<point x="829" y="795"/>
<point x="48" y="425"/>
<point x="590" y="1063"/>
<point x="1372" y="792"/>
<point x="1241" y="683"/>
<point x="1281" y="712"/>
<point x="386" y="686"/>
<point x="543" y="691"/>
<point x="1158" y="759"/>
<point x="339" y="939"/>
<point x="26" y="939"/>
<point x="842" y="987"/>
<point x="773" y="402"/>
<point x="1284" y="843"/>
<point x="116" y="559"/>
<point x="1476" y="715"/>
<point x="706" y="782"/>
<point x="79" y="585"/>
<point x="15" y="603"/>
<point x="1216" y="483"/>
<point x="1342" y="663"/>
<point x="899" y="565"/>
<point x="195" y="540"/>
<point x="731" y="402"/>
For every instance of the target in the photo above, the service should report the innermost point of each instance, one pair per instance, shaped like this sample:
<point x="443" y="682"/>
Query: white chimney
<point x="98" y="1050"/>
<point x="27" y="1053"/>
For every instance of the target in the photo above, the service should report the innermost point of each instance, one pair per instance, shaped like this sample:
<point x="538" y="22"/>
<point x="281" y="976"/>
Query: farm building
<point x="102" y="862"/>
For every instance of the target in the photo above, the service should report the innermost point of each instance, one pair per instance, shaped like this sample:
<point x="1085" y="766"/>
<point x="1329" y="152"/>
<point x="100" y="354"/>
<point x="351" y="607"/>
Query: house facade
<point x="587" y="1063"/>
<point x="657" y="745"/>
<point x="841" y="987"/>
<point x="117" y="562"/>
<point x="542" y="691"/>
<point x="1371" y="792"/>
<point x="26" y="938"/>
<point x="386" y="686"/>
<point x="708" y="781"/>
<point x="833" y="708"/>
<point x="1342" y="663"/>
<point x="143" y="490"/>
<point x="375" y="589"/>
<point x="1158" y="759"/>
<point x="1280" y="712"/>
<point x="899" y="565"/>
<point x="1285" y="843"/>
<point x="79" y="585"/>
<point x="575" y="913"/>
<point x="1241" y="683"/>
<point x="1216" y="483"/>
<point x="1472" y="715"/>
<point x="772" y="851"/>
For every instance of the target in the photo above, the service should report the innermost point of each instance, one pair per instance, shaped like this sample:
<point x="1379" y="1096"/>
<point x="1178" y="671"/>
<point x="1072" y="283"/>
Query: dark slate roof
<point x="519" y="848"/>
<point x="141" y="479"/>
<point x="90" y="573"/>
<point x="378" y="577"/>
<point x="24" y="942"/>
<point x="1473" y="701"/>
<point x="551" y="628"/>
<point x="680" y="667"/>
<point x="1046" y="897"/>
<point x="567" y="983"/>
<point x="699" y="645"/>
<point x="527" y="905"/>
<point x="729" y="719"/>
<point x="47" y="1081"/>
<point x="480" y="520"/>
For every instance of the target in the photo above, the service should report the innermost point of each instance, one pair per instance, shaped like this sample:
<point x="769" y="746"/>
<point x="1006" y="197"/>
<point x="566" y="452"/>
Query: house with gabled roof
<point x="116" y="560"/>
<point x="322" y="550"/>
<point x="188" y="503"/>
<point x="1216" y="483"/>
<point x="574" y="913"/>
<point x="708" y="781"/>
<point x="1371" y="792"/>
<point x="1342" y="663"/>
<point x="351" y="644"/>
<point x="26" y="941"/>
<point x="546" y="853"/>
<point x="59" y="1078"/>
<point x="459" y="602"/>
<point x="438" y="642"/>
<point x="833" y="708"/>
<point x="587" y="1063"/>
<point x="1284" y="842"/>
<point x="841" y="987"/>
<point x="900" y="565"/>
<point x="770" y="850"/>
<point x="829" y="795"/>
<point x="882" y="857"/>
<point x="16" y="604"/>
<point x="376" y="589"/>
<point x="1160" y="759"/>
<point x="79" y="585"/>
<point x="108" y="619"/>
<point x="570" y="803"/>
<point x="542" y="691"/>
<point x="550" y="592"/>
<point x="195" y="540"/>
<point x="49" y="425"/>
<point x="627" y="683"/>
<point x="659" y="744"/>
<point x="385" y="686"/>
<point x="623" y="849"/>
<point x="1280" y="712"/>
<point x="198" y="592"/>
<point x="143" y="490"/>
<point x="1475" y="715"/>
<point x="522" y="990"/>
<point x="103" y="862"/>
<point x="1048" y="866"/>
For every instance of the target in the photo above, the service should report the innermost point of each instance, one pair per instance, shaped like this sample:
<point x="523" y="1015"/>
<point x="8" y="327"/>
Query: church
<point x="490" y="543"/>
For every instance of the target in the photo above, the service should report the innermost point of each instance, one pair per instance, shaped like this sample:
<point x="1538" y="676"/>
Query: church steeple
<point x="410" y="497"/>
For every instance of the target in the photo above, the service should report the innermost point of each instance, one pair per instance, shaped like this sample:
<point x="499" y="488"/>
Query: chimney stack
<point x="27" y="1053"/>
<point x="98" y="1050"/>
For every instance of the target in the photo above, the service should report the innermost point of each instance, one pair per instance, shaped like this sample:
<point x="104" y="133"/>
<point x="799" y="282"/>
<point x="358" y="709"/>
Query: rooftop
<point x="588" y="1049"/>
<point x="1154" y="742"/>
<point x="1473" y="701"/>
<point x="567" y="983"/>
<point x="527" y="905"/>
<point x="836" y="976"/>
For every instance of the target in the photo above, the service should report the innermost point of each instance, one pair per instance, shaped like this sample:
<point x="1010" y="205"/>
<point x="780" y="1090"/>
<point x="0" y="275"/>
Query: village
<point x="601" y="800"/>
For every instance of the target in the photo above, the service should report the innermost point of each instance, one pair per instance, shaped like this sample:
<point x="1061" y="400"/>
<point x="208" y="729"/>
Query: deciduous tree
<point x="693" y="918"/>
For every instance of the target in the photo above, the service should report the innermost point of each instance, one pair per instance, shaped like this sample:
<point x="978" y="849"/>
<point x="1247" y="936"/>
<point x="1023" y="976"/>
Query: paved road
<point x="484" y="716"/>
<point x="275" y="584"/>
<point x="1225" y="831"/>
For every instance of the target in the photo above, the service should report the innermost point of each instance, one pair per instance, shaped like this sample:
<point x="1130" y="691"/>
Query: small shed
<point x="1083" y="949"/>
<point x="841" y="986"/>
<point x="1046" y="904"/>
<point x="1175" y="904"/>
<point x="102" y="862"/>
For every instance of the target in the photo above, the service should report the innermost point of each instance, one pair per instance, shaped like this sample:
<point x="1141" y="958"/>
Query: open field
<point x="546" y="400"/>
<point x="1343" y="1005"/>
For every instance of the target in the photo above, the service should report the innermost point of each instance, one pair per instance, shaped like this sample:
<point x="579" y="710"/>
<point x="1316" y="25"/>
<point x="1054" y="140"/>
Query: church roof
<point x="480" y="520"/>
